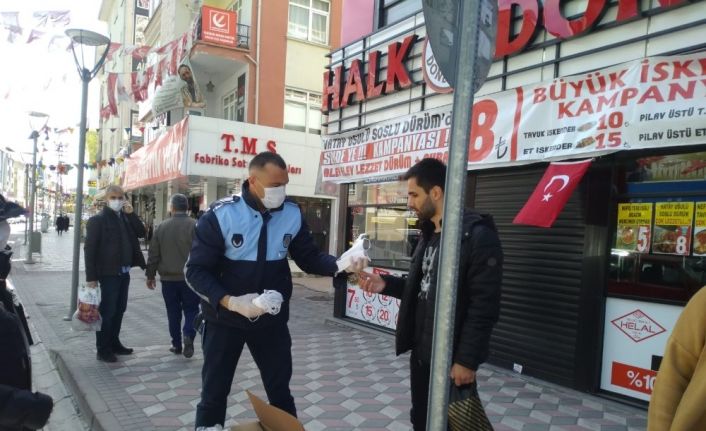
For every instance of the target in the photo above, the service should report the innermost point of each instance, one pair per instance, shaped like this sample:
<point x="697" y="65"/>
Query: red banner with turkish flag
<point x="552" y="193"/>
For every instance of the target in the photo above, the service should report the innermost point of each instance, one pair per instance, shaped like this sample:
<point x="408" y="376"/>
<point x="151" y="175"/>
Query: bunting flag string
<point x="121" y="87"/>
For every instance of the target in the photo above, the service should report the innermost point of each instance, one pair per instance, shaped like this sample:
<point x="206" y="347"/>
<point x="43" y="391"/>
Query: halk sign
<point x="651" y="103"/>
<point x="218" y="26"/>
<point x="340" y="91"/>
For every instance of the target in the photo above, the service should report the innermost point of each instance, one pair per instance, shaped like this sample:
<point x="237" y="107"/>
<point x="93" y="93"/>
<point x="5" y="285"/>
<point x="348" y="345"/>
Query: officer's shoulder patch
<point x="220" y="203"/>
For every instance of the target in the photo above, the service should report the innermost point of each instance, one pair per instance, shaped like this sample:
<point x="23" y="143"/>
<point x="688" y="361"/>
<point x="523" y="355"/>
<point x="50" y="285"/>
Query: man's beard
<point x="427" y="211"/>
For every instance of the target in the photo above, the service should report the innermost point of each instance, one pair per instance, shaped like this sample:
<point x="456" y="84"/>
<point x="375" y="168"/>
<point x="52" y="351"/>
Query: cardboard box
<point x="270" y="418"/>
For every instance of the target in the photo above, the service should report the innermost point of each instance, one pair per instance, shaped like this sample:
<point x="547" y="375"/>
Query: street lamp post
<point x="92" y="40"/>
<point x="37" y="121"/>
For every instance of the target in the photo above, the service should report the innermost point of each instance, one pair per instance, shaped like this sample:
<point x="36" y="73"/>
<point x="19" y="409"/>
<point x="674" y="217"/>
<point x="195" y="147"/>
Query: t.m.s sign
<point x="343" y="87"/>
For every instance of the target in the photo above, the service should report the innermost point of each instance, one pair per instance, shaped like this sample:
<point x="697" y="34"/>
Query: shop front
<point x="590" y="302"/>
<point x="207" y="159"/>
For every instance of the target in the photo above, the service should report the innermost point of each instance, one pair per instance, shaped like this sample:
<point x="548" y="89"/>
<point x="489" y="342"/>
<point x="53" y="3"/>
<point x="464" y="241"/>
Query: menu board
<point x="634" y="227"/>
<point x="700" y="229"/>
<point x="672" y="228"/>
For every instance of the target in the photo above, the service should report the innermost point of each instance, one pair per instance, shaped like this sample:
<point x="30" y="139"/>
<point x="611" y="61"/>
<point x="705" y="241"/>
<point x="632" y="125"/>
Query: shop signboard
<point x="160" y="161"/>
<point x="218" y="26"/>
<point x="652" y="103"/>
<point x="700" y="229"/>
<point x="634" y="227"/>
<point x="635" y="334"/>
<point x="673" y="228"/>
<point x="380" y="310"/>
<point x="212" y="147"/>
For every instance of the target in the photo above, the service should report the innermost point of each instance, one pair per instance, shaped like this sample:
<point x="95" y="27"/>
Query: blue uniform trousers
<point x="270" y="347"/>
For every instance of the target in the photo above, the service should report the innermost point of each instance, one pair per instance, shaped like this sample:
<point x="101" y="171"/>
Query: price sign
<point x="673" y="228"/>
<point x="634" y="221"/>
<point x="700" y="229"/>
<point x="379" y="310"/>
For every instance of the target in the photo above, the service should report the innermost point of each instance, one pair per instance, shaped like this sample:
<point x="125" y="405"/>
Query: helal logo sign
<point x="638" y="326"/>
<point x="218" y="26"/>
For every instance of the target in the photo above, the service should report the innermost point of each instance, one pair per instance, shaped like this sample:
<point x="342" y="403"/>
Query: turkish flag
<point x="552" y="193"/>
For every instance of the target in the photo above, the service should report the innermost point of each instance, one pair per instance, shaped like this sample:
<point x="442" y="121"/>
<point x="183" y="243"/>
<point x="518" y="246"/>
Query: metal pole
<point x="447" y="280"/>
<point x="85" y="78"/>
<point x="32" y="196"/>
<point x="26" y="203"/>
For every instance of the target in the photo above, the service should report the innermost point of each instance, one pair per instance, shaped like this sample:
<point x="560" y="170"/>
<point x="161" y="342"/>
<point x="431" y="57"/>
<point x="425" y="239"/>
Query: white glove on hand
<point x="243" y="305"/>
<point x="355" y="259"/>
<point x="270" y="301"/>
<point x="355" y="264"/>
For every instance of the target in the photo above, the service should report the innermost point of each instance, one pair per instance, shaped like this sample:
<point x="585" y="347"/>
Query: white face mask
<point x="115" y="204"/>
<point x="274" y="197"/>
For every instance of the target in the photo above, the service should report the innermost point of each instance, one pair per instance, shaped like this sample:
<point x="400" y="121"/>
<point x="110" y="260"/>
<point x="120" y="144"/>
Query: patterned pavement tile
<point x="344" y="379"/>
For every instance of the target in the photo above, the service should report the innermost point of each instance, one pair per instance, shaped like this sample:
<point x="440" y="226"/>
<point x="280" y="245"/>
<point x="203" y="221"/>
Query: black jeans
<point x="180" y="299"/>
<point x="271" y="348"/>
<point x="420" y="373"/>
<point x="113" y="305"/>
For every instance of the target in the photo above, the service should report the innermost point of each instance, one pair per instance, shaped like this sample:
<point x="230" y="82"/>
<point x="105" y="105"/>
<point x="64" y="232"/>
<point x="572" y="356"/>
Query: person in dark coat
<point x="112" y="247"/>
<point x="478" y="290"/>
<point x="20" y="408"/>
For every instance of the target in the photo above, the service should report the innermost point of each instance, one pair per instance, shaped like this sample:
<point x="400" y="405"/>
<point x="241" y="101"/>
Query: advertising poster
<point x="634" y="227"/>
<point x="376" y="309"/>
<point x="700" y="229"/>
<point x="650" y="103"/>
<point x="635" y="333"/>
<point x="672" y="228"/>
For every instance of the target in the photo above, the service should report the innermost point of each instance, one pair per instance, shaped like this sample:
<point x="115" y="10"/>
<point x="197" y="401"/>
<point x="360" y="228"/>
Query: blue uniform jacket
<point x="238" y="250"/>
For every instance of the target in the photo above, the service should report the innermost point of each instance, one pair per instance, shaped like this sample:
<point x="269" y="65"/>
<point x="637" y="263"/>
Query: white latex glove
<point x="355" y="264"/>
<point x="356" y="258"/>
<point x="243" y="305"/>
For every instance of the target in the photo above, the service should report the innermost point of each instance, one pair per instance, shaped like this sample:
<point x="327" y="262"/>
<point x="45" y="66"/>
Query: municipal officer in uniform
<point x="239" y="250"/>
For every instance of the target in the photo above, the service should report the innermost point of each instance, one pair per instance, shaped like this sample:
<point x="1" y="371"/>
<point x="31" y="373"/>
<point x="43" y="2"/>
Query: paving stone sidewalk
<point x="345" y="378"/>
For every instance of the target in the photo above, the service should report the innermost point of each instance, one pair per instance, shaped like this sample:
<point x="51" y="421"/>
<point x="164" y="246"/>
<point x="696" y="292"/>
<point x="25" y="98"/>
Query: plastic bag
<point x="87" y="317"/>
<point x="466" y="411"/>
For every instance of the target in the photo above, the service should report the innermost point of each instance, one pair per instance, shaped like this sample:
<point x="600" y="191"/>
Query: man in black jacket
<point x="20" y="408"/>
<point x="478" y="290"/>
<point x="111" y="249"/>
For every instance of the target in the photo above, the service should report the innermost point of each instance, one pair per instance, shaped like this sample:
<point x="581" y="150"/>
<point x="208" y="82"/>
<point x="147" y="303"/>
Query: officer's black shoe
<point x="175" y="350"/>
<point x="188" y="347"/>
<point x="122" y="350"/>
<point x="106" y="357"/>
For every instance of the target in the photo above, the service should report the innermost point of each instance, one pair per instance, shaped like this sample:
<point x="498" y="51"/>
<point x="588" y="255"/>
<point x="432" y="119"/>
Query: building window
<point x="392" y="11"/>
<point x="229" y="106"/>
<point x="302" y="111"/>
<point x="237" y="7"/>
<point x="240" y="99"/>
<point x="308" y="20"/>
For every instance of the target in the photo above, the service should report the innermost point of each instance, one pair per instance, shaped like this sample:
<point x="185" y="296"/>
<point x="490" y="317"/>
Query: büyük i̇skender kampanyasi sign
<point x="343" y="86"/>
<point x="650" y="103"/>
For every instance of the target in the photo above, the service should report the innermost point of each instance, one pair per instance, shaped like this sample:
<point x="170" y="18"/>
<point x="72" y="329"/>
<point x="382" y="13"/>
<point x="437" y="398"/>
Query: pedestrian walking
<point x="168" y="251"/>
<point x="677" y="401"/>
<point x="112" y="247"/>
<point x="240" y="250"/>
<point x="478" y="289"/>
<point x="59" y="224"/>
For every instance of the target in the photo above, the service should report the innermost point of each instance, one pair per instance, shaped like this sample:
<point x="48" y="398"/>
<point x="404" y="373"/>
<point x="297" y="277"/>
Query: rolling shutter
<point x="541" y="280"/>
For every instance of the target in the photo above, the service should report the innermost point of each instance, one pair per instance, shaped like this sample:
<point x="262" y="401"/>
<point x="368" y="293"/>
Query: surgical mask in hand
<point x="115" y="204"/>
<point x="274" y="197"/>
